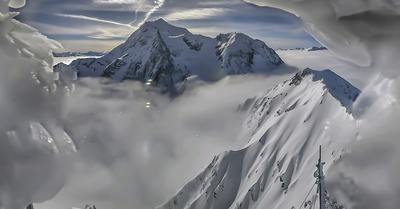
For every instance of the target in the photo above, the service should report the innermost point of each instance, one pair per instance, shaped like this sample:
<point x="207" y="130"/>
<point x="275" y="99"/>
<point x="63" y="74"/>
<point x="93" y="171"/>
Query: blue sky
<point x="100" y="25"/>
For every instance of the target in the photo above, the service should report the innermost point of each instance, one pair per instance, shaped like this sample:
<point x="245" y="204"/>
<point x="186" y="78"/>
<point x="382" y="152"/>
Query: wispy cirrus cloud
<point x="111" y="20"/>
<point x="109" y="34"/>
<point x="220" y="3"/>
<point x="148" y="7"/>
<point x="93" y="19"/>
<point x="159" y="4"/>
<point x="118" y="1"/>
<point x="196" y="14"/>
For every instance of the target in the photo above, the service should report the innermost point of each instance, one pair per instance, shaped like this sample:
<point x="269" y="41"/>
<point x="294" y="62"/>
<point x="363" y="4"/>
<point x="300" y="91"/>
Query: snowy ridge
<point x="168" y="55"/>
<point x="281" y="136"/>
<point x="76" y="54"/>
<point x="310" y="49"/>
<point x="339" y="88"/>
<point x="241" y="54"/>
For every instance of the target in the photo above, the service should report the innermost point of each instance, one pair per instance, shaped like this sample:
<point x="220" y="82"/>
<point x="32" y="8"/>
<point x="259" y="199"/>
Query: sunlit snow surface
<point x="281" y="134"/>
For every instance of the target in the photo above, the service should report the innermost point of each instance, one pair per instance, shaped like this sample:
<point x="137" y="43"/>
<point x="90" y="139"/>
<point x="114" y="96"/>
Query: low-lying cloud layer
<point x="138" y="156"/>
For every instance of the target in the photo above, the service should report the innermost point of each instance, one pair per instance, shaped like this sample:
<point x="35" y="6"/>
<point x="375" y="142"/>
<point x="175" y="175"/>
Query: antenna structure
<point x="321" y="180"/>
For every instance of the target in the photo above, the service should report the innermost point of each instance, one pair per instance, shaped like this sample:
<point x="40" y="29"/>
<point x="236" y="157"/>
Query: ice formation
<point x="363" y="32"/>
<point x="33" y="142"/>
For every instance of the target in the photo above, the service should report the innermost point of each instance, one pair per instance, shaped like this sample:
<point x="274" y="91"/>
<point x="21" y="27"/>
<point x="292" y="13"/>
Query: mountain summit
<point x="167" y="55"/>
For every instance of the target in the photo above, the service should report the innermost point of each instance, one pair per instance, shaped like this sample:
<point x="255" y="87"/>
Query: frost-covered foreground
<point x="34" y="146"/>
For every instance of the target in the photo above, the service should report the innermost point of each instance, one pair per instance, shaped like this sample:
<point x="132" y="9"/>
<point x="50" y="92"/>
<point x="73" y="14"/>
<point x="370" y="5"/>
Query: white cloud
<point x="159" y="4"/>
<point x="195" y="14"/>
<point x="219" y="3"/>
<point x="135" y="157"/>
<point x="284" y="42"/>
<point x="93" y="19"/>
<point x="85" y="45"/>
<point x="58" y="29"/>
<point x="111" y="33"/>
<point x="119" y="1"/>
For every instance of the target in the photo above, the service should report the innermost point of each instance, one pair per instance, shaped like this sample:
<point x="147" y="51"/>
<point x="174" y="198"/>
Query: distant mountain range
<point x="77" y="54"/>
<point x="166" y="55"/>
<point x="310" y="49"/>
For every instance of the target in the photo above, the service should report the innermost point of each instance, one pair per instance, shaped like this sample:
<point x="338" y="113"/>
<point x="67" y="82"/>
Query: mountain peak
<point x="338" y="87"/>
<point x="168" y="55"/>
<point x="164" y="27"/>
<point x="159" y="22"/>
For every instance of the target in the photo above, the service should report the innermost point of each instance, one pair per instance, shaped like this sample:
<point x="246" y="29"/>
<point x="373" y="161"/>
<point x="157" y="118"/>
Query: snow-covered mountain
<point x="275" y="167"/>
<point x="310" y="49"/>
<point x="167" y="55"/>
<point x="77" y="54"/>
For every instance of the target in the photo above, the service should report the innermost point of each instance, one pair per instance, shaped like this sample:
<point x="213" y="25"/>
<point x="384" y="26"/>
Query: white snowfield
<point x="168" y="55"/>
<point x="275" y="167"/>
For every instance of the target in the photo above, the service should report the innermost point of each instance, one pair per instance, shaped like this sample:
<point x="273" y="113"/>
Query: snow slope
<point x="275" y="167"/>
<point x="168" y="55"/>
